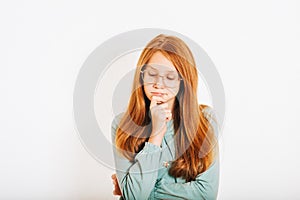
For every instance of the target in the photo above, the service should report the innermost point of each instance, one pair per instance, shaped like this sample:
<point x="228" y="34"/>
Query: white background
<point x="254" y="45"/>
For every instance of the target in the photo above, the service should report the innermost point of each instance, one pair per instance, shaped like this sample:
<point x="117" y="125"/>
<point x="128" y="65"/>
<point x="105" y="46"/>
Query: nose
<point x="159" y="82"/>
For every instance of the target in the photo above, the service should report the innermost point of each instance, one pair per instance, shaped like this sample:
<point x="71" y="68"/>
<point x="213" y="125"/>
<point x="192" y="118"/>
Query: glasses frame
<point x="163" y="78"/>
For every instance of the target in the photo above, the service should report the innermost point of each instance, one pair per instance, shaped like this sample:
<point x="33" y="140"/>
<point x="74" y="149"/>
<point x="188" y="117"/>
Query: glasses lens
<point x="169" y="80"/>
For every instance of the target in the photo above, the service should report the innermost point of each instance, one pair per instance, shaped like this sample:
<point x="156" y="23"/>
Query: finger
<point x="115" y="181"/>
<point x="153" y="101"/>
<point x="163" y="106"/>
<point x="118" y="193"/>
<point x="162" y="99"/>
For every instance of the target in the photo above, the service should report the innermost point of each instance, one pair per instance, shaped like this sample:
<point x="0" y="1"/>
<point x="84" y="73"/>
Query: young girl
<point x="165" y="144"/>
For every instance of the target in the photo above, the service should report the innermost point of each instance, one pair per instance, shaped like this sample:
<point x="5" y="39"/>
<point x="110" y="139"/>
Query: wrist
<point x="156" y="139"/>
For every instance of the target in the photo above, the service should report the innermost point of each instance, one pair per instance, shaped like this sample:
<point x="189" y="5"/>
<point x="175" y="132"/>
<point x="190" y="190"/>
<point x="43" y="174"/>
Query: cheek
<point x="174" y="91"/>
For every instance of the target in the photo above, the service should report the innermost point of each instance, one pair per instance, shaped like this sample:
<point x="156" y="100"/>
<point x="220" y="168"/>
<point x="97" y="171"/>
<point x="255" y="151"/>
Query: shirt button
<point x="166" y="164"/>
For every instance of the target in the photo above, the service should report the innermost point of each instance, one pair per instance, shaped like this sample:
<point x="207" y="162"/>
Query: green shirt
<point x="147" y="177"/>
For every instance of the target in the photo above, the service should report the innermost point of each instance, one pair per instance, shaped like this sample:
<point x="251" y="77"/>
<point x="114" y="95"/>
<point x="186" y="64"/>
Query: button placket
<point x="168" y="155"/>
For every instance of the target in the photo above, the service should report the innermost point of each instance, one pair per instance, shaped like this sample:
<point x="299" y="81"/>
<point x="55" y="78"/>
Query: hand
<point x="160" y="115"/>
<point x="116" y="190"/>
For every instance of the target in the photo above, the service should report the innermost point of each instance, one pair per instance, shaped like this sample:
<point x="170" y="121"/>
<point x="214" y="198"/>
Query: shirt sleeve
<point x="136" y="179"/>
<point x="205" y="185"/>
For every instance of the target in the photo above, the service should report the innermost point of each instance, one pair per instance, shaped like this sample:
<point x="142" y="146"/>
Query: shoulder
<point x="211" y="116"/>
<point x="208" y="111"/>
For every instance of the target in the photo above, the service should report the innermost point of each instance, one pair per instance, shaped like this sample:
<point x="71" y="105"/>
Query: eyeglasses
<point x="150" y="76"/>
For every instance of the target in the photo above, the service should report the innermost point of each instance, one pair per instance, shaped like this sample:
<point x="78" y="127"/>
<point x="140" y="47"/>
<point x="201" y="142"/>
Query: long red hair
<point x="195" y="142"/>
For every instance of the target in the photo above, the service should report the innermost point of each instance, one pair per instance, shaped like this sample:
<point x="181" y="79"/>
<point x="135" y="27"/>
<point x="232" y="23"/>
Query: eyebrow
<point x="158" y="70"/>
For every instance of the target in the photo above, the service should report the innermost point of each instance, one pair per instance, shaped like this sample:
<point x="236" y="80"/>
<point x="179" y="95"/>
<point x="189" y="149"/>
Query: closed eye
<point x="171" y="76"/>
<point x="152" y="73"/>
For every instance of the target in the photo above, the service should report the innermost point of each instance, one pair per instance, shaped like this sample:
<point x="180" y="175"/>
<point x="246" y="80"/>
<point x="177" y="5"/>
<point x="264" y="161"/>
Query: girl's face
<point x="161" y="79"/>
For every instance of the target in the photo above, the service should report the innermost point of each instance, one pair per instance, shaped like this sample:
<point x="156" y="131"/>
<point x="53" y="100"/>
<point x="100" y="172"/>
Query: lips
<point x="157" y="94"/>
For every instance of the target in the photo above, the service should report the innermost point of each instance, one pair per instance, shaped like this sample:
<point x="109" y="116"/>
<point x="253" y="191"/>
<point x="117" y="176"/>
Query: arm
<point x="136" y="179"/>
<point x="205" y="185"/>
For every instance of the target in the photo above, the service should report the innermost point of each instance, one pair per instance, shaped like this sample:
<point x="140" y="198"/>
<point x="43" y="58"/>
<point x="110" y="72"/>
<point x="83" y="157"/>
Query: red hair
<point x="194" y="140"/>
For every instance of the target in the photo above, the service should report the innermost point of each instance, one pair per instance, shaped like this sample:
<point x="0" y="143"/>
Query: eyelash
<point x="152" y="73"/>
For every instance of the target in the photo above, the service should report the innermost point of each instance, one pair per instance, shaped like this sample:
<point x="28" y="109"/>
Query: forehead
<point x="160" y="62"/>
